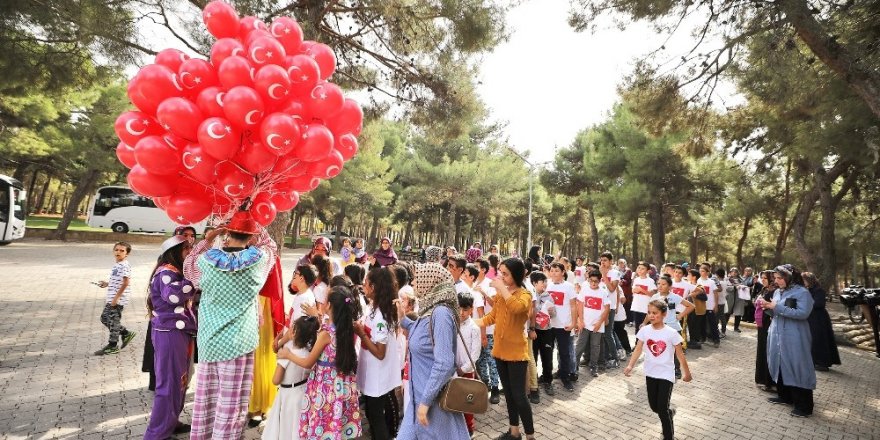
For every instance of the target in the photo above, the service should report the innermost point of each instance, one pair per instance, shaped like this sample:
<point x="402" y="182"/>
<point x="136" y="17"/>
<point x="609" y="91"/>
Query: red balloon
<point x="161" y="202"/>
<point x="304" y="183"/>
<point x="219" y="138"/>
<point x="288" y="166"/>
<point x="137" y="98"/>
<point x="298" y="110"/>
<point x="249" y="24"/>
<point x="288" y="32"/>
<point x="157" y="156"/>
<point x="125" y="154"/>
<point x="171" y="58"/>
<point x="328" y="167"/>
<point x="280" y="133"/>
<point x="221" y="19"/>
<point x="175" y="141"/>
<point x="254" y="34"/>
<point x="198" y="164"/>
<point x="196" y="74"/>
<point x="255" y="158"/>
<point x="266" y="50"/>
<point x="272" y="83"/>
<point x="158" y="82"/>
<point x="186" y="209"/>
<point x="235" y="71"/>
<point x="243" y="107"/>
<point x="131" y="127"/>
<point x="234" y="182"/>
<point x="263" y="209"/>
<point x="210" y="102"/>
<point x="317" y="141"/>
<point x="347" y="145"/>
<point x="285" y="200"/>
<point x="325" y="57"/>
<point x="349" y="119"/>
<point x="150" y="185"/>
<point x="326" y="100"/>
<point x="180" y="116"/>
<point x="303" y="72"/>
<point x="225" y="48"/>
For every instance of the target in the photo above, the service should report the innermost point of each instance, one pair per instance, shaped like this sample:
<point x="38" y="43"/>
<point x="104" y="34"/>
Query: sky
<point x="547" y="82"/>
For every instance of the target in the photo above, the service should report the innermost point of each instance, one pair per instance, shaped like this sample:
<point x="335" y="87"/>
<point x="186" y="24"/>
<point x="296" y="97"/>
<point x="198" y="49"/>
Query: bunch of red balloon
<point x="258" y="121"/>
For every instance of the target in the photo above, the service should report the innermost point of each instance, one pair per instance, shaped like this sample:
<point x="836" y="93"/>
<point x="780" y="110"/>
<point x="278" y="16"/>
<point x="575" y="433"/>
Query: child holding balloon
<point x="662" y="341"/>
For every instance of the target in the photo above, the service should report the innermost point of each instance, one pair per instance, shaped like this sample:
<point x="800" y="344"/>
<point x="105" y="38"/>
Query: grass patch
<point x="51" y="222"/>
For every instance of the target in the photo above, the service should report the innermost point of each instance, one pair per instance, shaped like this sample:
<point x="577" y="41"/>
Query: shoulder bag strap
<point x="460" y="336"/>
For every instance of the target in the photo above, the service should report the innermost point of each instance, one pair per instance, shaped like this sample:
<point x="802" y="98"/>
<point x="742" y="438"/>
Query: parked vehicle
<point x="13" y="213"/>
<point x="122" y="210"/>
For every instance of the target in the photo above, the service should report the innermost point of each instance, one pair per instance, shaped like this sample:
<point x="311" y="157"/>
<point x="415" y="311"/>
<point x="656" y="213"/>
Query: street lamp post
<point x="532" y="167"/>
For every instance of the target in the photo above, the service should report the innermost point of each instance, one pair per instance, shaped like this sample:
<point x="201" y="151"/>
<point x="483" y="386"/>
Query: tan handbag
<point x="463" y="394"/>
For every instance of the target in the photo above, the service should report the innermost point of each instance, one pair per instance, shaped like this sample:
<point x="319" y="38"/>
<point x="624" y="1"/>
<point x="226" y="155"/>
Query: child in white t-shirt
<point x="663" y="343"/>
<point x="303" y="297"/>
<point x="282" y="421"/>
<point x="593" y="309"/>
<point x="467" y="353"/>
<point x="580" y="271"/>
<point x="118" y="291"/>
<point x="643" y="288"/>
<point x="563" y="322"/>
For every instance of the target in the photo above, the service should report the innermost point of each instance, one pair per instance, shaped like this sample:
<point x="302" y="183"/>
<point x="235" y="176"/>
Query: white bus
<point x="122" y="210"/>
<point x="12" y="210"/>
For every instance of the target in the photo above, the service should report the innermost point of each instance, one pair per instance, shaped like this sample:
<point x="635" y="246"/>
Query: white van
<point x="13" y="213"/>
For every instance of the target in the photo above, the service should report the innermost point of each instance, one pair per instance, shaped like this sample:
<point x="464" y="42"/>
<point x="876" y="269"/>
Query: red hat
<point x="243" y="222"/>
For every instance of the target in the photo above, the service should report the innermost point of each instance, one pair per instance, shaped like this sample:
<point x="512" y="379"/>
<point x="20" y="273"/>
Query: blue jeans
<point x="486" y="364"/>
<point x="562" y="338"/>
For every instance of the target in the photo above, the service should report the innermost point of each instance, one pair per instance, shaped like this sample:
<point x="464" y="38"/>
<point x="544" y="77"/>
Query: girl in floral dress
<point x="330" y="405"/>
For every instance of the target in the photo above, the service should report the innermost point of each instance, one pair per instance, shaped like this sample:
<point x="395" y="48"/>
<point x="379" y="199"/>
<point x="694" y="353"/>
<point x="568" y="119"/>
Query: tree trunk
<point x="866" y="280"/>
<point x="635" y="242"/>
<point x="20" y="170"/>
<point x="85" y="186"/>
<point x="594" y="235"/>
<point x="828" y="203"/>
<point x="42" y="199"/>
<point x="783" y="218"/>
<point x="30" y="193"/>
<point x="742" y="242"/>
<point x="658" y="233"/>
<point x="372" y="241"/>
<point x="822" y="181"/>
<point x="278" y="229"/>
<point x="864" y="81"/>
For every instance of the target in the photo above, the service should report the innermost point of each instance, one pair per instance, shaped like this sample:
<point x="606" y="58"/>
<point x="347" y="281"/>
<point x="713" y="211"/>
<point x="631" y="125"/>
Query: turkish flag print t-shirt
<point x="659" y="348"/>
<point x="562" y="294"/>
<point x="594" y="302"/>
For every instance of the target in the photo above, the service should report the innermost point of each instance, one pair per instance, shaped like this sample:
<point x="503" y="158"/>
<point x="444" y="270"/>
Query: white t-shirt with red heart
<point x="562" y="295"/>
<point x="659" y="348"/>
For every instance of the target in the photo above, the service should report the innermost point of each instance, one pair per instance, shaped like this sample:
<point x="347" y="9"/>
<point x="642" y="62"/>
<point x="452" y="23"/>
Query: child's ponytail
<point x="344" y="308"/>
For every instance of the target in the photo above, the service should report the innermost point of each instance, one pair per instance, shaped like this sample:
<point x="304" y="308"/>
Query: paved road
<point x="52" y="387"/>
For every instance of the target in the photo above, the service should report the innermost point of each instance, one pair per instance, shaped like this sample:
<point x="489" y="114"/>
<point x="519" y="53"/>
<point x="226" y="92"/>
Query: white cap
<point x="172" y="241"/>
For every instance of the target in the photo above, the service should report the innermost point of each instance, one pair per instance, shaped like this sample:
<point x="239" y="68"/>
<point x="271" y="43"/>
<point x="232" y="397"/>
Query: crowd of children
<point x="342" y="351"/>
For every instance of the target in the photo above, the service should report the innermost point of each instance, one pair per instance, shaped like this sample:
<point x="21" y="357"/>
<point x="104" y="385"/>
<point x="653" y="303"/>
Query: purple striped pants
<point x="223" y="390"/>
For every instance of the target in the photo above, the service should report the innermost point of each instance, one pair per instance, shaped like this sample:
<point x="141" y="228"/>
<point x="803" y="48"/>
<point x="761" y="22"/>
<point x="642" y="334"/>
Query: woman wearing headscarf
<point x="824" y="351"/>
<point x="321" y="246"/>
<point x="789" y="343"/>
<point x="763" y="319"/>
<point x="433" y="254"/>
<point x="474" y="253"/>
<point x="509" y="315"/>
<point x="736" y="305"/>
<point x="432" y="336"/>
<point x="385" y="255"/>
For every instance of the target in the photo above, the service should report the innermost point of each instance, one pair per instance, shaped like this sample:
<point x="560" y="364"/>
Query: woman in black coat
<point x="825" y="352"/>
<point x="763" y="320"/>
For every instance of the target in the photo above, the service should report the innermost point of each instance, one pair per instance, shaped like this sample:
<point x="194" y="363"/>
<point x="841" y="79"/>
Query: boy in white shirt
<point x="542" y="348"/>
<point x="593" y="309"/>
<point x="486" y="363"/>
<point x="643" y="288"/>
<point x="610" y="281"/>
<point x="299" y="287"/>
<point x="455" y="265"/>
<point x="683" y="288"/>
<point x="563" y="321"/>
<point x="118" y="291"/>
<point x="580" y="271"/>
<point x="712" y="290"/>
<point x="466" y="354"/>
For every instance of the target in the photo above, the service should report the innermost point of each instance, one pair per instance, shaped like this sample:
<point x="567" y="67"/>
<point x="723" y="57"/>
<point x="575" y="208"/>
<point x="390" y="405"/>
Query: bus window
<point x="18" y="200"/>
<point x="4" y="203"/>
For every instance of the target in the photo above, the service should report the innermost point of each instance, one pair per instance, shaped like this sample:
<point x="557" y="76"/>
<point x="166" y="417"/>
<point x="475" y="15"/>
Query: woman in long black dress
<point x="763" y="320"/>
<point x="825" y="352"/>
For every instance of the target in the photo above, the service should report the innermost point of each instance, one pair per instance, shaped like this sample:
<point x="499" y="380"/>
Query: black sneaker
<point x="494" y="396"/>
<point x="573" y="377"/>
<point x="798" y="413"/>
<point x="182" y="428"/>
<point x="568" y="386"/>
<point x="534" y="397"/>
<point x="508" y="436"/>
<point x="108" y="349"/>
<point x="548" y="388"/>
<point x="695" y="345"/>
<point x="126" y="338"/>
<point x="594" y="372"/>
<point x="778" y="401"/>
